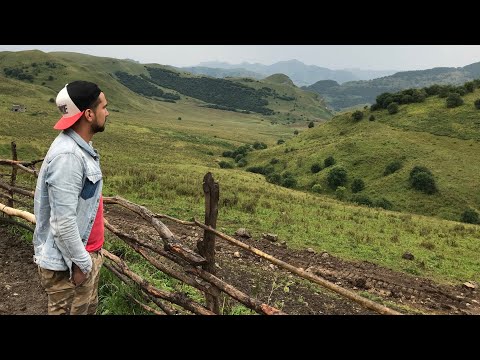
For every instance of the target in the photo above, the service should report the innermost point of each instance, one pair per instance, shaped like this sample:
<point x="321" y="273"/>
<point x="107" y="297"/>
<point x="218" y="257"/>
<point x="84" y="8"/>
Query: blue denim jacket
<point x="67" y="196"/>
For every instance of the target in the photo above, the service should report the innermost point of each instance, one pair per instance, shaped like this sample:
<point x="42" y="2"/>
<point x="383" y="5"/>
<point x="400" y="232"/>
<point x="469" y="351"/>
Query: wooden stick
<point x="168" y="310"/>
<point x="136" y="245"/>
<point x="170" y="242"/>
<point x="191" y="223"/>
<point x="146" y="307"/>
<point x="14" y="162"/>
<point x="16" y="189"/>
<point x="20" y="213"/>
<point x="13" y="178"/>
<point x="7" y="220"/>
<point x="206" y="247"/>
<point x="16" y="201"/>
<point x="176" y="298"/>
<point x="302" y="273"/>
<point x="249" y="302"/>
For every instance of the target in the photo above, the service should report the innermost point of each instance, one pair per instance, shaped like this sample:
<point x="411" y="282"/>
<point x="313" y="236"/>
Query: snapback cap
<point x="73" y="100"/>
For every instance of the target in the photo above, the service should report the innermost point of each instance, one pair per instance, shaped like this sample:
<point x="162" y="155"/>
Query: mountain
<point x="428" y="134"/>
<point x="354" y="93"/>
<point x="301" y="74"/>
<point x="221" y="73"/>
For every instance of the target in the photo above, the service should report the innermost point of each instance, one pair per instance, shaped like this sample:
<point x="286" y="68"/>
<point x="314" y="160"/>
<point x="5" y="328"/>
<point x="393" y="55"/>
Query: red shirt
<point x="96" y="239"/>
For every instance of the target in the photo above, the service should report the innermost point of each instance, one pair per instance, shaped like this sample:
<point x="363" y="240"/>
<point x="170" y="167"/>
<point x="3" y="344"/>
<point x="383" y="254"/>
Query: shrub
<point x="280" y="141"/>
<point x="375" y="107"/>
<point x="259" y="145"/>
<point x="329" y="161"/>
<point x="383" y="203"/>
<point x="337" y="177"/>
<point x="392" y="108"/>
<point x="316" y="168"/>
<point x="371" y="118"/>
<point x="424" y="182"/>
<point x="179" y="118"/>
<point x="289" y="181"/>
<point x="419" y="169"/>
<point x="311" y="124"/>
<point x="227" y="154"/>
<point x="477" y="103"/>
<point x="242" y="162"/>
<point x="358" y="185"/>
<point x="340" y="192"/>
<point x="274" y="161"/>
<point x="454" y="100"/>
<point x="274" y="179"/>
<point x="238" y="157"/>
<point x="295" y="132"/>
<point x="317" y="188"/>
<point x="52" y="100"/>
<point x="357" y="115"/>
<point x="225" y="165"/>
<point x="470" y="216"/>
<point x="362" y="200"/>
<point x="392" y="167"/>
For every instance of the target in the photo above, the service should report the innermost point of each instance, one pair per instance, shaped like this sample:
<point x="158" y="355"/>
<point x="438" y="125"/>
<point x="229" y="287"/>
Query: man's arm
<point x="64" y="181"/>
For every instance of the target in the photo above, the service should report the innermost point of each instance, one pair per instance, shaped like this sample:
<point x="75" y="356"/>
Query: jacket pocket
<point x="90" y="186"/>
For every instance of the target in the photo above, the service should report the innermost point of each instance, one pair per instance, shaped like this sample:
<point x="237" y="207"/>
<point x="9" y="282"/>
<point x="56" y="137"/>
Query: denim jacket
<point x="67" y="196"/>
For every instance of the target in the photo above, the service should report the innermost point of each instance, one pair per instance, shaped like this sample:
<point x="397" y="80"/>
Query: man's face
<point x="101" y="114"/>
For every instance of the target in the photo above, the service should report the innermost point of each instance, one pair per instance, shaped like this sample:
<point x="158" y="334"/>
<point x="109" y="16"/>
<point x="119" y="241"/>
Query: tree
<point x="477" y="103"/>
<point x="357" y="115"/>
<point x="454" y="100"/>
<point x="358" y="185"/>
<point x="329" y="161"/>
<point x="392" y="108"/>
<point x="316" y="168"/>
<point x="337" y="177"/>
<point x="470" y="216"/>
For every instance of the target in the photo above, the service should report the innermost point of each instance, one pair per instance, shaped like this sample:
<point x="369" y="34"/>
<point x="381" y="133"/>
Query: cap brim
<point x="66" y="122"/>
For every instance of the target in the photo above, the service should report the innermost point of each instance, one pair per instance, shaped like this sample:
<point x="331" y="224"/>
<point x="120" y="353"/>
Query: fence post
<point x="13" y="178"/>
<point x="206" y="248"/>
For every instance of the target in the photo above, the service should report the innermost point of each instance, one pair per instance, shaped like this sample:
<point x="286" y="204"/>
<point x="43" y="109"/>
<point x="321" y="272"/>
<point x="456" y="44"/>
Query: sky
<point x="368" y="57"/>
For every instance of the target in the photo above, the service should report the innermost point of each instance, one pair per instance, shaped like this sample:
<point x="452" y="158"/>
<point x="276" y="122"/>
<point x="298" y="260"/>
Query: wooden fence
<point x="196" y="269"/>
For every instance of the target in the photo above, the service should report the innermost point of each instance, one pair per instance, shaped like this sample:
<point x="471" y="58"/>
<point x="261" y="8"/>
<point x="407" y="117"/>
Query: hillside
<point x="354" y="93"/>
<point x="445" y="140"/>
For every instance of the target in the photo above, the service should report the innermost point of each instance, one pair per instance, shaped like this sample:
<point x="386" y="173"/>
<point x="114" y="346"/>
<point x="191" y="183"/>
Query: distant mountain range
<point x="298" y="72"/>
<point x="341" y="96"/>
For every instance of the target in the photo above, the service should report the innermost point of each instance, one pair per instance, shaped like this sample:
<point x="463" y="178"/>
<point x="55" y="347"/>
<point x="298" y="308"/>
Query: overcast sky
<point x="372" y="57"/>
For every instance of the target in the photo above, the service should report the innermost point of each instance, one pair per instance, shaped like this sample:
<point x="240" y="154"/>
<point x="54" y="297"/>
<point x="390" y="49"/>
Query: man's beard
<point x="96" y="128"/>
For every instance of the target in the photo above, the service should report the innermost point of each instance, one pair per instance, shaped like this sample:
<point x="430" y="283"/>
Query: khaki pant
<point x="64" y="297"/>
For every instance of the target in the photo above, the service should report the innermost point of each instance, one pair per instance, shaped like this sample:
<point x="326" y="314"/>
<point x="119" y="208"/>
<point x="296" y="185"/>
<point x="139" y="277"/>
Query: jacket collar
<point x="82" y="143"/>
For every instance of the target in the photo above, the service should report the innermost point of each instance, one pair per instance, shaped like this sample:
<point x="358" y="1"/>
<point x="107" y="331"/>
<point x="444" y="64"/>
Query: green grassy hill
<point x="445" y="140"/>
<point x="156" y="153"/>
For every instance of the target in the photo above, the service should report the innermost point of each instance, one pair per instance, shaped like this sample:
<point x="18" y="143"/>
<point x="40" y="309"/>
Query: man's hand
<point x="78" y="277"/>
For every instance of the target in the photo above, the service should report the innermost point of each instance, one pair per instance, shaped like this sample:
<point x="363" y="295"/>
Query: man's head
<point x="81" y="98"/>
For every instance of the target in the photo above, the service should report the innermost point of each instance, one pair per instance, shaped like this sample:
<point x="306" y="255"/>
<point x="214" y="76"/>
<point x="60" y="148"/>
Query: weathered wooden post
<point x="206" y="248"/>
<point x="13" y="177"/>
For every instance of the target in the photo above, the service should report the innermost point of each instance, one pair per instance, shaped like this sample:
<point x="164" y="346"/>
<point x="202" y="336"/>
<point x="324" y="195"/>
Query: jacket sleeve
<point x="64" y="181"/>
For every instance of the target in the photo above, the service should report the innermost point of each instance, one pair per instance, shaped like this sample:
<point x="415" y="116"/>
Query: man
<point x="69" y="231"/>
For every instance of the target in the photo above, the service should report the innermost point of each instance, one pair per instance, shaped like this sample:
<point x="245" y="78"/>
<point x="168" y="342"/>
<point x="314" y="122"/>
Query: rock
<point x="243" y="233"/>
<point x="283" y="243"/>
<point x="270" y="237"/>
<point x="218" y="248"/>
<point x="469" y="285"/>
<point x="325" y="255"/>
<point x="272" y="266"/>
<point x="236" y="254"/>
<point x="408" y="256"/>
<point x="311" y="251"/>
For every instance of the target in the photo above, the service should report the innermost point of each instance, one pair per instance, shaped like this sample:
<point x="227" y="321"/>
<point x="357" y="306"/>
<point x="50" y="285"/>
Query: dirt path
<point x="20" y="289"/>
<point x="21" y="293"/>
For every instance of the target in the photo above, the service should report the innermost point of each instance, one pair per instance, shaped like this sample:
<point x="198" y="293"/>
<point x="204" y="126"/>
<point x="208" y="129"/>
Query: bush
<point x="259" y="145"/>
<point x="242" y="162"/>
<point x="392" y="108"/>
<point x="357" y="115"/>
<point x="316" y="168"/>
<point x="362" y="200"/>
<point x="340" y="192"/>
<point x="329" y="161"/>
<point x="311" y="124"/>
<point x="477" y="103"/>
<point x="419" y="169"/>
<point x="371" y="118"/>
<point x="454" y="100"/>
<point x="424" y="182"/>
<point x="337" y="177"/>
<point x="179" y="118"/>
<point x="274" y="179"/>
<point x="225" y="165"/>
<point x="227" y="154"/>
<point x="274" y="161"/>
<point x="317" y="188"/>
<point x="280" y="141"/>
<point x="470" y="216"/>
<point x="384" y="204"/>
<point x="52" y="100"/>
<point x="295" y="132"/>
<point x="358" y="185"/>
<point x="392" y="167"/>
